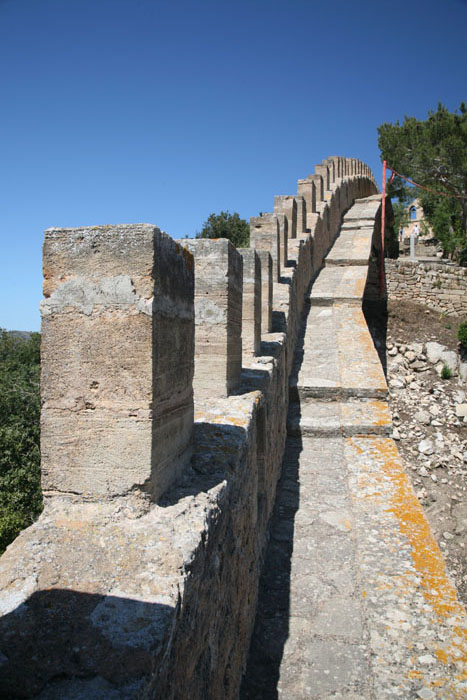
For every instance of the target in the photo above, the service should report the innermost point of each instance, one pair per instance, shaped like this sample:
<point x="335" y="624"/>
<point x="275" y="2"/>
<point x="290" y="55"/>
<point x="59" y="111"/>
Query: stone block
<point x="307" y="190"/>
<point x="251" y="307"/>
<point x="283" y="240"/>
<point x="117" y="361"/>
<point x="266" y="290"/>
<point x="287" y="205"/>
<point x="264" y="235"/>
<point x="320" y="191"/>
<point x="331" y="165"/>
<point x="301" y="216"/>
<point x="337" y="161"/>
<point x="323" y="170"/>
<point x="218" y="316"/>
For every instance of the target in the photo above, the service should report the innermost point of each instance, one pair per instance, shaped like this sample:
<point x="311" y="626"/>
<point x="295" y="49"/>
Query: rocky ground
<point x="430" y="422"/>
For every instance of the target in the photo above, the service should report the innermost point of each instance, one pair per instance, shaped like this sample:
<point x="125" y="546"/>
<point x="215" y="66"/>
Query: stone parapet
<point x="146" y="588"/>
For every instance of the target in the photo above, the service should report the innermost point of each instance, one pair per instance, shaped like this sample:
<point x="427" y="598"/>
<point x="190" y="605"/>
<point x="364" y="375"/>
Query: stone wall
<point x="140" y="578"/>
<point x="439" y="286"/>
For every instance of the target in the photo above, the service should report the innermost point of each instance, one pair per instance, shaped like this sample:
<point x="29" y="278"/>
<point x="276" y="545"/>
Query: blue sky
<point x="144" y="110"/>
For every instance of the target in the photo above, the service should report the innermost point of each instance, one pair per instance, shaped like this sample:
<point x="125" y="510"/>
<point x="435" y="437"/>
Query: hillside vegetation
<point x="20" y="494"/>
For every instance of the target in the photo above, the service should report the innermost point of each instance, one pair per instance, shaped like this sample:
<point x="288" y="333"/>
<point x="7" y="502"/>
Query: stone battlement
<point x="165" y="387"/>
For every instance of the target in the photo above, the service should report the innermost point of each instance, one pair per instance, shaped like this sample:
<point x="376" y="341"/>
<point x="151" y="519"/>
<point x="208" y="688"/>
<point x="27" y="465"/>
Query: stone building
<point x="416" y="219"/>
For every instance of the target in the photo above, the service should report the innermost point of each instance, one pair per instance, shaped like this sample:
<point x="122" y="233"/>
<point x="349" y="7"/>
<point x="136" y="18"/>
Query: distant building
<point x="416" y="218"/>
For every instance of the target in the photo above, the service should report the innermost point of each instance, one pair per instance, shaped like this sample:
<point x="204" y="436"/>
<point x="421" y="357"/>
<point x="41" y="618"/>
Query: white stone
<point x="416" y="348"/>
<point x="433" y="351"/>
<point x="449" y="358"/>
<point x="426" y="447"/>
<point x="426" y="659"/>
<point x="422" y="417"/>
<point x="426" y="694"/>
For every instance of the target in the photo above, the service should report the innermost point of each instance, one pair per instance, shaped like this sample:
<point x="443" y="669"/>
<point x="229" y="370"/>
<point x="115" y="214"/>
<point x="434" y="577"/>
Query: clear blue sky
<point x="144" y="110"/>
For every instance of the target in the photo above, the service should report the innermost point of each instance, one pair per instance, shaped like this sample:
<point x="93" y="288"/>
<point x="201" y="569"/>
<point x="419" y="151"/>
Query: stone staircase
<point x="355" y="602"/>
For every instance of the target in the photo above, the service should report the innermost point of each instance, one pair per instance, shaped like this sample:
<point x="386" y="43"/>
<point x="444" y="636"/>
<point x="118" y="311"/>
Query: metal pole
<point x="383" y="221"/>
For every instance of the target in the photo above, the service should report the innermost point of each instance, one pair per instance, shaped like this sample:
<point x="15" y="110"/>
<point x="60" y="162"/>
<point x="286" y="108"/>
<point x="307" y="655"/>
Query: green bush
<point x="226" y="225"/>
<point x="446" y="372"/>
<point x="462" y="334"/>
<point x="20" y="493"/>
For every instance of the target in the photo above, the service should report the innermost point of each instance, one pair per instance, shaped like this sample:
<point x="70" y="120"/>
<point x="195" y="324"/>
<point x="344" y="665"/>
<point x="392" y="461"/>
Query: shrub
<point x="446" y="372"/>
<point x="227" y="225"/>
<point x="20" y="492"/>
<point x="462" y="334"/>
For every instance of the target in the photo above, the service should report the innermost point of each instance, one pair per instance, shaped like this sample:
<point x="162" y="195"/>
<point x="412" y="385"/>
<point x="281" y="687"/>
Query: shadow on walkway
<point x="272" y="615"/>
<point x="271" y="629"/>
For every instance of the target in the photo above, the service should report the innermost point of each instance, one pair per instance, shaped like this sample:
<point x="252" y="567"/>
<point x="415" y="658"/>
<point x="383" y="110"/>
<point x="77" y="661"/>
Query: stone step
<point x="353" y="224"/>
<point x="353" y="247"/>
<point x="318" y="418"/>
<point x="338" y="284"/>
<point x="336" y="357"/>
<point x="363" y="209"/>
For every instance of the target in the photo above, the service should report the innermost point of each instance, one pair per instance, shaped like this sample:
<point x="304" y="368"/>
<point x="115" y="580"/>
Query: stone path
<point x="355" y="603"/>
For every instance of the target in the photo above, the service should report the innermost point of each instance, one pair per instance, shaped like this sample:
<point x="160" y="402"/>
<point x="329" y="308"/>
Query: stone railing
<point x="165" y="391"/>
<point x="436" y="285"/>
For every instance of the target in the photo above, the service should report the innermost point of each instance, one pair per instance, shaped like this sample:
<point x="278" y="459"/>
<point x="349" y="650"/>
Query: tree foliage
<point x="226" y="225"/>
<point x="433" y="153"/>
<point x="401" y="215"/>
<point x="20" y="494"/>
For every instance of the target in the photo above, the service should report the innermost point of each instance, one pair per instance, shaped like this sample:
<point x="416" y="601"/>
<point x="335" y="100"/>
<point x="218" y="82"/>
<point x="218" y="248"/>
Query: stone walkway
<point x="355" y="603"/>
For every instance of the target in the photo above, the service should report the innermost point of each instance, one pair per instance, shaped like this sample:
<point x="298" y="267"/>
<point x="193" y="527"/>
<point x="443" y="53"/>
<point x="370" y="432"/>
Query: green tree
<point x="20" y="493"/>
<point x="226" y="225"/>
<point x="433" y="153"/>
<point x="401" y="215"/>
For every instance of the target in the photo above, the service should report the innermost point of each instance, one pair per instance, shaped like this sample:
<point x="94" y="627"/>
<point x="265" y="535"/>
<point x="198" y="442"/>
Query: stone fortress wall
<point x="165" y="383"/>
<point x="439" y="286"/>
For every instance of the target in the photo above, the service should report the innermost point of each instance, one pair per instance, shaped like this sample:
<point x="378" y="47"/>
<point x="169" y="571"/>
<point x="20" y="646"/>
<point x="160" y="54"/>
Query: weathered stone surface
<point x="301" y="215"/>
<point x="434" y="351"/>
<point x="334" y="360"/>
<point x="287" y="205"/>
<point x="307" y="190"/>
<point x="283" y="241"/>
<point x="339" y="284"/>
<point x="251" y="307"/>
<point x="264" y="235"/>
<point x="266" y="290"/>
<point x="218" y="316"/>
<point x="117" y="400"/>
<point x="353" y="247"/>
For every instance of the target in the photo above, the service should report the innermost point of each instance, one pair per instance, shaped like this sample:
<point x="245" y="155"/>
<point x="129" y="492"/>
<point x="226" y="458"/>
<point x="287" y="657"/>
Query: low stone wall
<point x="140" y="578"/>
<point x="439" y="286"/>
